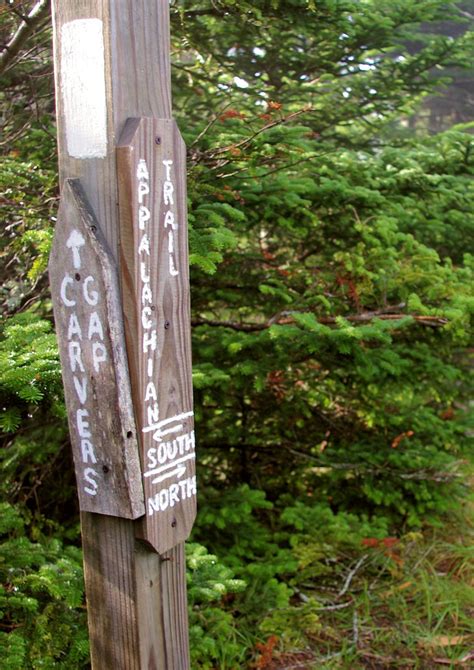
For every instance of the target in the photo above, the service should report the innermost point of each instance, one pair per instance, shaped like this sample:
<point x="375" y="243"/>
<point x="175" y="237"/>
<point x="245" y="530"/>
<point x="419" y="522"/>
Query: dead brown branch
<point x="287" y="318"/>
<point x="27" y="27"/>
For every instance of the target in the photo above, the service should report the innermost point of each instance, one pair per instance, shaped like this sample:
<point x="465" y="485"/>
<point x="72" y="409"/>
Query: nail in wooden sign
<point x="155" y="293"/>
<point x="89" y="326"/>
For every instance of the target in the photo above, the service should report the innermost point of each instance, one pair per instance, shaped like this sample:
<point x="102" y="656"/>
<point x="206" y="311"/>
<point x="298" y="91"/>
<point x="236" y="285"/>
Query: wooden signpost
<point x="120" y="288"/>
<point x="154" y="267"/>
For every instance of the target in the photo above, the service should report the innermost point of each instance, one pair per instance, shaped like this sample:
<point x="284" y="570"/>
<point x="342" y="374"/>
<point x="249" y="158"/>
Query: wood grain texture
<point x="89" y="327"/>
<point x="137" y="83"/>
<point x="141" y="86"/>
<point x="110" y="566"/>
<point x="166" y="615"/>
<point x="174" y="605"/>
<point x="136" y="603"/>
<point x="132" y="626"/>
<point x="155" y="289"/>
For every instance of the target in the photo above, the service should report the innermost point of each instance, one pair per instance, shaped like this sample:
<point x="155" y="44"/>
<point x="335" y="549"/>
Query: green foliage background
<point x="332" y="274"/>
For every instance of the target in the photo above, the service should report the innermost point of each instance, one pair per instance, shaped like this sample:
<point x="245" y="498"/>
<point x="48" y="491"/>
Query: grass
<point x="406" y="605"/>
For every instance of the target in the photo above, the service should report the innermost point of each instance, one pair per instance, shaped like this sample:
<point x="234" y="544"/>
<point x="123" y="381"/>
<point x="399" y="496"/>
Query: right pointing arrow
<point x="178" y="472"/>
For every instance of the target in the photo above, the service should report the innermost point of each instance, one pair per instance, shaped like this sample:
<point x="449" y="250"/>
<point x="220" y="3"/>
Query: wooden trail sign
<point x="86" y="300"/>
<point x="112" y="64"/>
<point x="155" y="285"/>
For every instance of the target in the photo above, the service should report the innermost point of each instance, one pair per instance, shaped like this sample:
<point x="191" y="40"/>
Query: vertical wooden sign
<point x="155" y="285"/>
<point x="87" y="310"/>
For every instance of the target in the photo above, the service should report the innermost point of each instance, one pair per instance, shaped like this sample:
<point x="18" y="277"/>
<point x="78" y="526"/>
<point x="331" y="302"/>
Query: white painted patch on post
<point x="83" y="88"/>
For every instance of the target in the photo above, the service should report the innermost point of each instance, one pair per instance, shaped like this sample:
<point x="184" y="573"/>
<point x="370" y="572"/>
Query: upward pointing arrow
<point x="75" y="242"/>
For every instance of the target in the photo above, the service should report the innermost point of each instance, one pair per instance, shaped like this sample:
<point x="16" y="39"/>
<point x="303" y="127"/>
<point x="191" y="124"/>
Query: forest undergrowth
<point x="404" y="603"/>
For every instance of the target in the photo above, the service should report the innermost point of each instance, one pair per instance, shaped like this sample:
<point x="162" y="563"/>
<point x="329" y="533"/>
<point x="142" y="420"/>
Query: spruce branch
<point x="248" y="140"/>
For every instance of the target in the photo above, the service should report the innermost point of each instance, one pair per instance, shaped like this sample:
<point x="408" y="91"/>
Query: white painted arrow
<point x="178" y="472"/>
<point x="159" y="434"/>
<point x="165" y="422"/>
<point x="75" y="242"/>
<point x="162" y="468"/>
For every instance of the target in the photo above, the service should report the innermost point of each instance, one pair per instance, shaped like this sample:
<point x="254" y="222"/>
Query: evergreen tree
<point x="331" y="301"/>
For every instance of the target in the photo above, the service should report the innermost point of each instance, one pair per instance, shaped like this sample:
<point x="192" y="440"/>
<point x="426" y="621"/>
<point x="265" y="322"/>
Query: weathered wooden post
<point x="120" y="248"/>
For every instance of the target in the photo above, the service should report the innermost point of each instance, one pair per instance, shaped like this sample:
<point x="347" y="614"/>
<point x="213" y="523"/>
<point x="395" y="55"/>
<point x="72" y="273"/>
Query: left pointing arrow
<point x="75" y="242"/>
